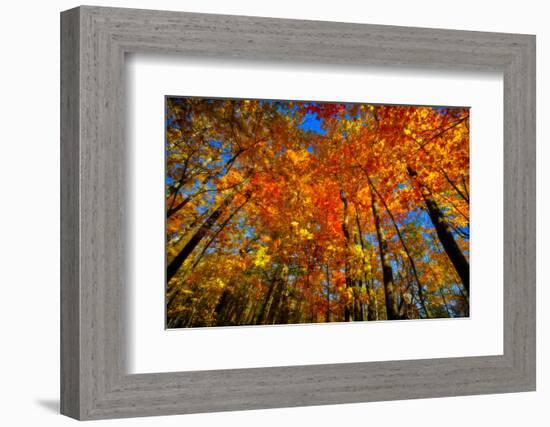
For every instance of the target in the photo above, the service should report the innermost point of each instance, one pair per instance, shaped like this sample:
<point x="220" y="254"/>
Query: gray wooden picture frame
<point x="94" y="382"/>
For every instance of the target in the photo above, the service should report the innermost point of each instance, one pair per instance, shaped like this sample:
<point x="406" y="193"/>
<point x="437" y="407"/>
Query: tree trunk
<point x="180" y="258"/>
<point x="345" y="230"/>
<point x="252" y="314"/>
<point x="221" y="307"/>
<point x="221" y="227"/>
<point x="263" y="311"/>
<point x="273" y="312"/>
<point x="445" y="235"/>
<point x="358" y="307"/>
<point x="372" y="308"/>
<point x="445" y="303"/>
<point x="390" y="291"/>
<point x="407" y="252"/>
<point x="284" y="309"/>
<point x="327" y="314"/>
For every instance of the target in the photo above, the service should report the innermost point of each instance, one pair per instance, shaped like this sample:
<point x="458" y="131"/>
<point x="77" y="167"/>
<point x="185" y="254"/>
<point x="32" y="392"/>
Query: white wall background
<point x="29" y="216"/>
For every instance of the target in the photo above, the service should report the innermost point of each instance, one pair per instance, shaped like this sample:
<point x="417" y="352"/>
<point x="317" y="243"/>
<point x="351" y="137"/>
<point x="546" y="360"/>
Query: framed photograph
<point x="262" y="213"/>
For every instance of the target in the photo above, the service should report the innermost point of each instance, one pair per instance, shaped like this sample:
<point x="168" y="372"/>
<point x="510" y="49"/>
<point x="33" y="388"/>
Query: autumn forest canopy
<point x="281" y="212"/>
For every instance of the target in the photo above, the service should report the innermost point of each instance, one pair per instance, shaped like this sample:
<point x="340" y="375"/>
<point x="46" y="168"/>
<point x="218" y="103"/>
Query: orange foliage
<point x="274" y="220"/>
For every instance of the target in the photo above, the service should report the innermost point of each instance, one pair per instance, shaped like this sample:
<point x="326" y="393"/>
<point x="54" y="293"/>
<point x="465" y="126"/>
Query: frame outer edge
<point x="70" y="396"/>
<point x="528" y="175"/>
<point x="86" y="348"/>
<point x="520" y="214"/>
<point x="532" y="138"/>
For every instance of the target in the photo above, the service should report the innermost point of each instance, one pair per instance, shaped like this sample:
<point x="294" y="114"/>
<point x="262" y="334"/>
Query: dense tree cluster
<point x="293" y="212"/>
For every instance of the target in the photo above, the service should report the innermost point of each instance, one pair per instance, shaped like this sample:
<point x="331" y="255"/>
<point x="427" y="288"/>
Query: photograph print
<point x="301" y="212"/>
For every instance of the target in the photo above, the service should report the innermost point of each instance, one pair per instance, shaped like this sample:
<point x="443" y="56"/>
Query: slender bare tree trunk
<point x="221" y="307"/>
<point x="345" y="230"/>
<point x="390" y="289"/>
<point x="407" y="252"/>
<point x="263" y="312"/>
<point x="327" y="273"/>
<point x="372" y="308"/>
<point x="372" y="312"/>
<point x="445" y="303"/>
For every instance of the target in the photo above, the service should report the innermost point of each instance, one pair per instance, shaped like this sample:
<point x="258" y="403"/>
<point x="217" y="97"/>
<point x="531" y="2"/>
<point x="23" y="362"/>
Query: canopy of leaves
<point x="301" y="212"/>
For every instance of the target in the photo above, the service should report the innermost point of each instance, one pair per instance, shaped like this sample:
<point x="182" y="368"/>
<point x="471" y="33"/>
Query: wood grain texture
<point x="94" y="177"/>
